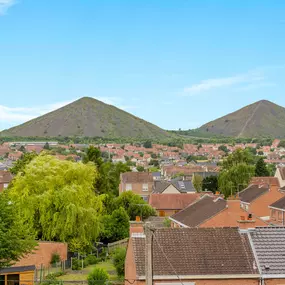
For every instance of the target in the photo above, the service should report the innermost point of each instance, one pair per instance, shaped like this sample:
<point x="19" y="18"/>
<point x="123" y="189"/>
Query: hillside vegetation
<point x="261" y="119"/>
<point x="88" y="117"/>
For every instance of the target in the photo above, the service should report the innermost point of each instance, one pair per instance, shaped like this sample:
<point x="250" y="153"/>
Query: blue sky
<point x="175" y="63"/>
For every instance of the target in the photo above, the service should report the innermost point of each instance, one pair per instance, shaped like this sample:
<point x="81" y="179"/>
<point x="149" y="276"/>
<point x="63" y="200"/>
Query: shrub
<point x="119" y="260"/>
<point x="98" y="276"/>
<point x="76" y="264"/>
<point x="55" y="258"/>
<point x="91" y="259"/>
<point x="51" y="280"/>
<point x="167" y="223"/>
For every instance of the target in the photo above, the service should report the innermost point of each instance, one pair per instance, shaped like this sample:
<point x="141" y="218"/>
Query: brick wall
<point x="130" y="268"/>
<point x="42" y="254"/>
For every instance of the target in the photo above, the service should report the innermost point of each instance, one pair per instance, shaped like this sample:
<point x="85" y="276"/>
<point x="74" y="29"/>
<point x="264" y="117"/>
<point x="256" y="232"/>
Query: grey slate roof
<point x="196" y="251"/>
<point x="280" y="204"/>
<point x="200" y="211"/>
<point x="185" y="186"/>
<point x="269" y="245"/>
<point x="252" y="192"/>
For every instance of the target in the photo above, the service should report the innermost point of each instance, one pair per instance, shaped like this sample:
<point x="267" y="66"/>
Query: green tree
<point x="108" y="174"/>
<point x="134" y="205"/>
<point x="57" y="199"/>
<point x="237" y="170"/>
<point x="140" y="168"/>
<point x="271" y="169"/>
<point x="46" y="146"/>
<point x="282" y="144"/>
<point x="119" y="258"/>
<point x="210" y="183"/>
<point x="22" y="149"/>
<point x="260" y="168"/>
<point x="98" y="276"/>
<point x="147" y="144"/>
<point x="223" y="148"/>
<point x="16" y="238"/>
<point x="115" y="226"/>
<point x="21" y="163"/>
<point x="197" y="182"/>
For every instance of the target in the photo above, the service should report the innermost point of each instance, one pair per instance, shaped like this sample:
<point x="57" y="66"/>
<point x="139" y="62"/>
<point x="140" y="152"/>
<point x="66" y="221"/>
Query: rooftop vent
<point x="267" y="267"/>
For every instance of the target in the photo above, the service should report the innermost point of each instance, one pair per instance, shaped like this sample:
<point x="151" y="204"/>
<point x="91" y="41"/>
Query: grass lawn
<point x="82" y="275"/>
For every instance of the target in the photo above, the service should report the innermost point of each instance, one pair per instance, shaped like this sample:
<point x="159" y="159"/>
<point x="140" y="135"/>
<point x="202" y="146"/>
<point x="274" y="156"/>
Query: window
<point x="161" y="213"/>
<point x="273" y="215"/>
<point x="145" y="187"/>
<point x="246" y="207"/>
<point x="128" y="187"/>
<point x="13" y="279"/>
<point x="5" y="185"/>
<point x="145" y="198"/>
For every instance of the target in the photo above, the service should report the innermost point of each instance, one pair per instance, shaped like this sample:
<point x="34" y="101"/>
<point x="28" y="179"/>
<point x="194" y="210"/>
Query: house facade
<point x="5" y="178"/>
<point x="141" y="183"/>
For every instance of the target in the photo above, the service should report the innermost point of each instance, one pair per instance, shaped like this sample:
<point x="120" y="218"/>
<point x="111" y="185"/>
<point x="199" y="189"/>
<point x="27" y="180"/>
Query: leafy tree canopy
<point x="210" y="183"/>
<point x="16" y="239"/>
<point x="57" y="199"/>
<point x="21" y="163"/>
<point x="261" y="169"/>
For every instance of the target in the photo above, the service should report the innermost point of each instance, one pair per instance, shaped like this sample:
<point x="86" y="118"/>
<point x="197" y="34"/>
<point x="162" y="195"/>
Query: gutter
<point x="201" y="277"/>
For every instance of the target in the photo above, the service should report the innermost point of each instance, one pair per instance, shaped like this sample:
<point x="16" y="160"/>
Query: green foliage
<point x="115" y="226"/>
<point x="271" y="169"/>
<point x="22" y="148"/>
<point x="167" y="223"/>
<point x="46" y="146"/>
<point x="108" y="178"/>
<point x="16" y="238"/>
<point x="260" y="168"/>
<point x="134" y="205"/>
<point x="55" y="258"/>
<point x="98" y="276"/>
<point x="147" y="144"/>
<point x="91" y="259"/>
<point x="21" y="163"/>
<point x="119" y="258"/>
<point x="51" y="279"/>
<point x="76" y="264"/>
<point x="237" y="170"/>
<point x="57" y="199"/>
<point x="223" y="148"/>
<point x="140" y="169"/>
<point x="210" y="183"/>
<point x="195" y="158"/>
<point x="154" y="162"/>
<point x="282" y="144"/>
<point x="197" y="182"/>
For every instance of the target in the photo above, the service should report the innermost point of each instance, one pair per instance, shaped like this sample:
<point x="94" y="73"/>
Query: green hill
<point x="88" y="117"/>
<point x="261" y="119"/>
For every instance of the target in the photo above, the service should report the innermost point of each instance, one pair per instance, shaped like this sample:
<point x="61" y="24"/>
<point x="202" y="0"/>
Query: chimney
<point x="148" y="253"/>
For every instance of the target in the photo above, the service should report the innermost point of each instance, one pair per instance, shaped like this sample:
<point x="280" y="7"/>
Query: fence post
<point x="71" y="263"/>
<point x="82" y="264"/>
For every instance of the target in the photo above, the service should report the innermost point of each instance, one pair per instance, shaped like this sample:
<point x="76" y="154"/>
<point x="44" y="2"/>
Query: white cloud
<point x="5" y="5"/>
<point x="214" y="83"/>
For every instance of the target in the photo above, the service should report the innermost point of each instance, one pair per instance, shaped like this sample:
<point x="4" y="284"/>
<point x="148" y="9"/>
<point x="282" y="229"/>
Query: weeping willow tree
<point x="57" y="199"/>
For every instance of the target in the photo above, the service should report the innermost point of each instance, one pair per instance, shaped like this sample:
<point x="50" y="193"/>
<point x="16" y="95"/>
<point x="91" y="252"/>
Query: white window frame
<point x="129" y="187"/>
<point x="5" y="185"/>
<point x="145" y="187"/>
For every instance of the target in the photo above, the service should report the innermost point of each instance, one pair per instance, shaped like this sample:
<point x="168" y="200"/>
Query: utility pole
<point x="148" y="253"/>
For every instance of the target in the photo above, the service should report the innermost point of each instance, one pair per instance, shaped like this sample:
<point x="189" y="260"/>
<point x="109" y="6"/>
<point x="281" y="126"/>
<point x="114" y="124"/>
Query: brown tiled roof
<point x="196" y="251"/>
<point x="137" y="177"/>
<point x="200" y="211"/>
<point x="171" y="201"/>
<point x="272" y="181"/>
<point x="252" y="192"/>
<point x="280" y="204"/>
<point x="5" y="176"/>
